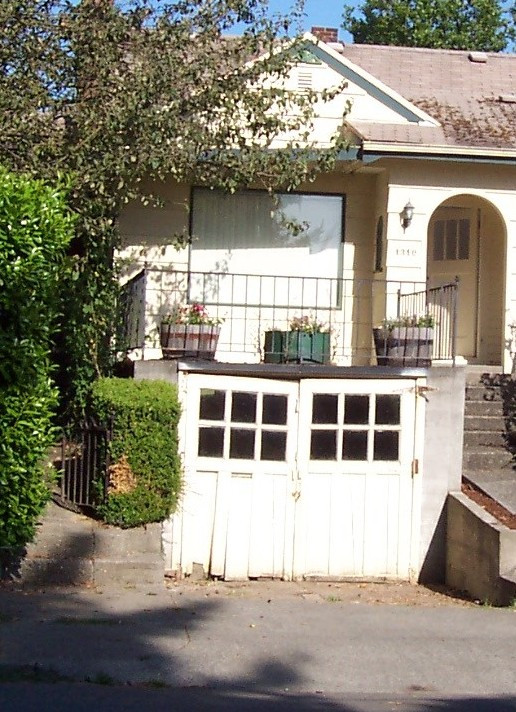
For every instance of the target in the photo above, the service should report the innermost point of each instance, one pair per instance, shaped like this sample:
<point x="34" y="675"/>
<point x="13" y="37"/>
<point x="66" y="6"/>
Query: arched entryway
<point x="466" y="239"/>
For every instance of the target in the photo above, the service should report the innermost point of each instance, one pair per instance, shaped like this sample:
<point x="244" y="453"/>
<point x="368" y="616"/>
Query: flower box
<point x="190" y="340"/>
<point x="296" y="347"/>
<point x="404" y="345"/>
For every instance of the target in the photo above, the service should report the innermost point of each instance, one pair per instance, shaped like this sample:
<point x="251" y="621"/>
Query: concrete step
<point x="487" y="373"/>
<point x="494" y="423"/>
<point x="70" y="549"/>
<point x="483" y="394"/>
<point x="484" y="407"/>
<point x="477" y="458"/>
<point x="485" y="438"/>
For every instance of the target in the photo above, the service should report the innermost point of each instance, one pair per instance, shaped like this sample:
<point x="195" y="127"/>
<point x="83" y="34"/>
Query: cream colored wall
<point x="421" y="182"/>
<point x="147" y="239"/>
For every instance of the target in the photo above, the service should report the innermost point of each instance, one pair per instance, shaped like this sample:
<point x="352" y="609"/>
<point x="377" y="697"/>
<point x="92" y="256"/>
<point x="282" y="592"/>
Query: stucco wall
<point x="442" y="464"/>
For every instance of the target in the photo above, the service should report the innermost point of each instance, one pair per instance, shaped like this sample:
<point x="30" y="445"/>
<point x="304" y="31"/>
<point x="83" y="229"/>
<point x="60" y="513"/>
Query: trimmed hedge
<point x="145" y="475"/>
<point x="35" y="229"/>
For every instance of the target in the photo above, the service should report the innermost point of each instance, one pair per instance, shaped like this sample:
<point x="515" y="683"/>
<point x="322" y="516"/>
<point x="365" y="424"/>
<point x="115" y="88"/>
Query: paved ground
<point x="345" y="647"/>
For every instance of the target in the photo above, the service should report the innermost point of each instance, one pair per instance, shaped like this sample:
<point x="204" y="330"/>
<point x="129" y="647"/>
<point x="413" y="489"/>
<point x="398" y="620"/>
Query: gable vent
<point x="304" y="80"/>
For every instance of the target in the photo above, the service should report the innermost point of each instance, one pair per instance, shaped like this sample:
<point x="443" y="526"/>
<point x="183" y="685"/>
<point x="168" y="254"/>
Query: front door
<point x="453" y="252"/>
<point x="297" y="479"/>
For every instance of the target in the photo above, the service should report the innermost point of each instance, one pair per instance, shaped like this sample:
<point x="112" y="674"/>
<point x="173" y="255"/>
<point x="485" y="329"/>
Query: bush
<point x="35" y="228"/>
<point x="145" y="477"/>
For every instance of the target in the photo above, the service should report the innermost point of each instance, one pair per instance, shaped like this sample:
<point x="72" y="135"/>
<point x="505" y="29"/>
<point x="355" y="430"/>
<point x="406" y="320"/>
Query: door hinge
<point x="415" y="467"/>
<point x="423" y="390"/>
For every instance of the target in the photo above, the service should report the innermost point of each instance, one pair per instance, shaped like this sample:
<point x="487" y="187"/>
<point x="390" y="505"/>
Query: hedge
<point x="145" y="474"/>
<point x="35" y="229"/>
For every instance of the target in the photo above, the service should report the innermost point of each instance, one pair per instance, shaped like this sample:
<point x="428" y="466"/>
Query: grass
<point x="31" y="673"/>
<point x="69" y="620"/>
<point x="333" y="599"/>
<point x="101" y="678"/>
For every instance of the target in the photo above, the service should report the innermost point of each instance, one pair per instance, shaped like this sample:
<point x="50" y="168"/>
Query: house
<point x="339" y="468"/>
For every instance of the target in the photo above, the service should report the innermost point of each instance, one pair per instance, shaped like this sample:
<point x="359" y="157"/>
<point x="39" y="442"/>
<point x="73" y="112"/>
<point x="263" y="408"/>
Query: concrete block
<point x="156" y="370"/>
<point x="480" y="552"/>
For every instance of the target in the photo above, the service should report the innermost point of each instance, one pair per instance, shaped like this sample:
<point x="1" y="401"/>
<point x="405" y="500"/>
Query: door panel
<point x="453" y="252"/>
<point x="353" y="515"/>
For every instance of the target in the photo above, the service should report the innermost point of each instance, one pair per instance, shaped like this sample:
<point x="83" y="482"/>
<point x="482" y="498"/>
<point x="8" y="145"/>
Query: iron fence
<point x="249" y="306"/>
<point x="439" y="303"/>
<point x="84" y="465"/>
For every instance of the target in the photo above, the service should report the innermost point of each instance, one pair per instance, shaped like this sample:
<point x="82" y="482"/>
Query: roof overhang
<point x="373" y="150"/>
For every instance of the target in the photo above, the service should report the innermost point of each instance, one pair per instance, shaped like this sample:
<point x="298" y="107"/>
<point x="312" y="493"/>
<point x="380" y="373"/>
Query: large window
<point x="300" y="235"/>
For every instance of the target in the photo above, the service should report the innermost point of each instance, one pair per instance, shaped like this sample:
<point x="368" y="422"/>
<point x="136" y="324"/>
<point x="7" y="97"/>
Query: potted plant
<point x="189" y="331"/>
<point x="306" y="340"/>
<point x="405" y="341"/>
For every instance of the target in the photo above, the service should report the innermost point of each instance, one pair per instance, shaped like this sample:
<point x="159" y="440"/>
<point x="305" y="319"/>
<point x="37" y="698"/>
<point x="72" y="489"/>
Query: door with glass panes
<point x="453" y="252"/>
<point x="354" y="468"/>
<point x="288" y="479"/>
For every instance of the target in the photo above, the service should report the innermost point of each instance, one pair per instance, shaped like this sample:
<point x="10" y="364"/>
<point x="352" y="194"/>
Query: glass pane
<point x="241" y="444"/>
<point x="439" y="240"/>
<point x="386" y="445"/>
<point x="274" y="445"/>
<point x="323" y="445"/>
<point x="387" y="410"/>
<point x="211" y="406"/>
<point x="463" y="239"/>
<point x="451" y="239"/>
<point x="274" y="409"/>
<point x="324" y="408"/>
<point x="243" y="408"/>
<point x="356" y="410"/>
<point x="211" y="442"/>
<point x="354" y="445"/>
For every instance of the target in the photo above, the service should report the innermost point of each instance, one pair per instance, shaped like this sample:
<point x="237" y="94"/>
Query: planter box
<point x="296" y="347"/>
<point x="191" y="340"/>
<point x="404" y="346"/>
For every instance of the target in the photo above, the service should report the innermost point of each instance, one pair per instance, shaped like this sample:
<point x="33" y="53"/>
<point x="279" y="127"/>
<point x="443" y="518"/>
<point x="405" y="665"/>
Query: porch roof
<point x="474" y="101"/>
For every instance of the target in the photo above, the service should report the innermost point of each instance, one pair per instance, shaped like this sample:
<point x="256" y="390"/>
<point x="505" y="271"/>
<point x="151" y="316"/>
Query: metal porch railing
<point x="250" y="305"/>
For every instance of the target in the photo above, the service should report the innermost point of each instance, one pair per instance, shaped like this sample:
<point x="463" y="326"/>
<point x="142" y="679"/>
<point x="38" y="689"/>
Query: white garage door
<point x="288" y="479"/>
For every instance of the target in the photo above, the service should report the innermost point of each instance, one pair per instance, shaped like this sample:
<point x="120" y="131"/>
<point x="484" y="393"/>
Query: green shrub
<point x="145" y="475"/>
<point x="35" y="229"/>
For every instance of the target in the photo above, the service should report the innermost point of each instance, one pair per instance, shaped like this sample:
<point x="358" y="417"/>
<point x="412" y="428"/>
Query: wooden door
<point x="453" y="252"/>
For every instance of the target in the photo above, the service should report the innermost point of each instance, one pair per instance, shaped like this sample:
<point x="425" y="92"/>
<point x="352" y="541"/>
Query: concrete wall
<point x="480" y="553"/>
<point x="442" y="465"/>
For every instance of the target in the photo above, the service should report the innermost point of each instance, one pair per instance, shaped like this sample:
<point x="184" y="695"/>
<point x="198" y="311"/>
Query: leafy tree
<point x="112" y="93"/>
<point x="448" y="24"/>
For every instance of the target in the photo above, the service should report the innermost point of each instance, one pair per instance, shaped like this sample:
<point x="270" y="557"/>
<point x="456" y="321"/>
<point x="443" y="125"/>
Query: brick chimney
<point x="326" y="34"/>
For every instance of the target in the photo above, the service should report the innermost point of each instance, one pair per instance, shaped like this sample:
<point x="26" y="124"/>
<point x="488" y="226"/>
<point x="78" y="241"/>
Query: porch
<point x="245" y="309"/>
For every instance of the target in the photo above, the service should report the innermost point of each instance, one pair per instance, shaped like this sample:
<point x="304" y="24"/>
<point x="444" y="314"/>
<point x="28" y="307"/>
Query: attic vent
<point x="304" y="80"/>
<point x="479" y="57"/>
<point x="507" y="98"/>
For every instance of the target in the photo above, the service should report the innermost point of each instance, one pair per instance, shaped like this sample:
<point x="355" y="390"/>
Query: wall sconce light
<point x="406" y="215"/>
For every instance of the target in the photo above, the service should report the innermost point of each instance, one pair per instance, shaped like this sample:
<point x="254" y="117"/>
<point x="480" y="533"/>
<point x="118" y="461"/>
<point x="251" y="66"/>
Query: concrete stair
<point x="487" y="461"/>
<point x="71" y="549"/>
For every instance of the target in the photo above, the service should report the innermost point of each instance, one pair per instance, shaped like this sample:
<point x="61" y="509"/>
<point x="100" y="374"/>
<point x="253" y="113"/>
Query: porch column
<point x="405" y="248"/>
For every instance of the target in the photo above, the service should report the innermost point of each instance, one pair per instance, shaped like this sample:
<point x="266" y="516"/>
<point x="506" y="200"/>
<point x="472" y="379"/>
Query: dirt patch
<point x="494" y="508"/>
<point x="398" y="593"/>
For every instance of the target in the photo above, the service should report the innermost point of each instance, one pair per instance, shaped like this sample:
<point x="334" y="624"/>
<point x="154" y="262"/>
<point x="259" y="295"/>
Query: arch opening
<point x="467" y="239"/>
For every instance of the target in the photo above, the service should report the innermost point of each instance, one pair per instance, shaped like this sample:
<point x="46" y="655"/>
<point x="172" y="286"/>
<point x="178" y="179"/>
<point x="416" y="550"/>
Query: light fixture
<point x="406" y="215"/>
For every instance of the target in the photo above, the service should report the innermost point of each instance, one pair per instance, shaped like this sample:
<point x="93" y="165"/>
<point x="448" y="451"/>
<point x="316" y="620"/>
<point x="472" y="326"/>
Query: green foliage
<point x="447" y="24"/>
<point x="118" y="94"/>
<point x="35" y="228"/>
<point x="145" y="478"/>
